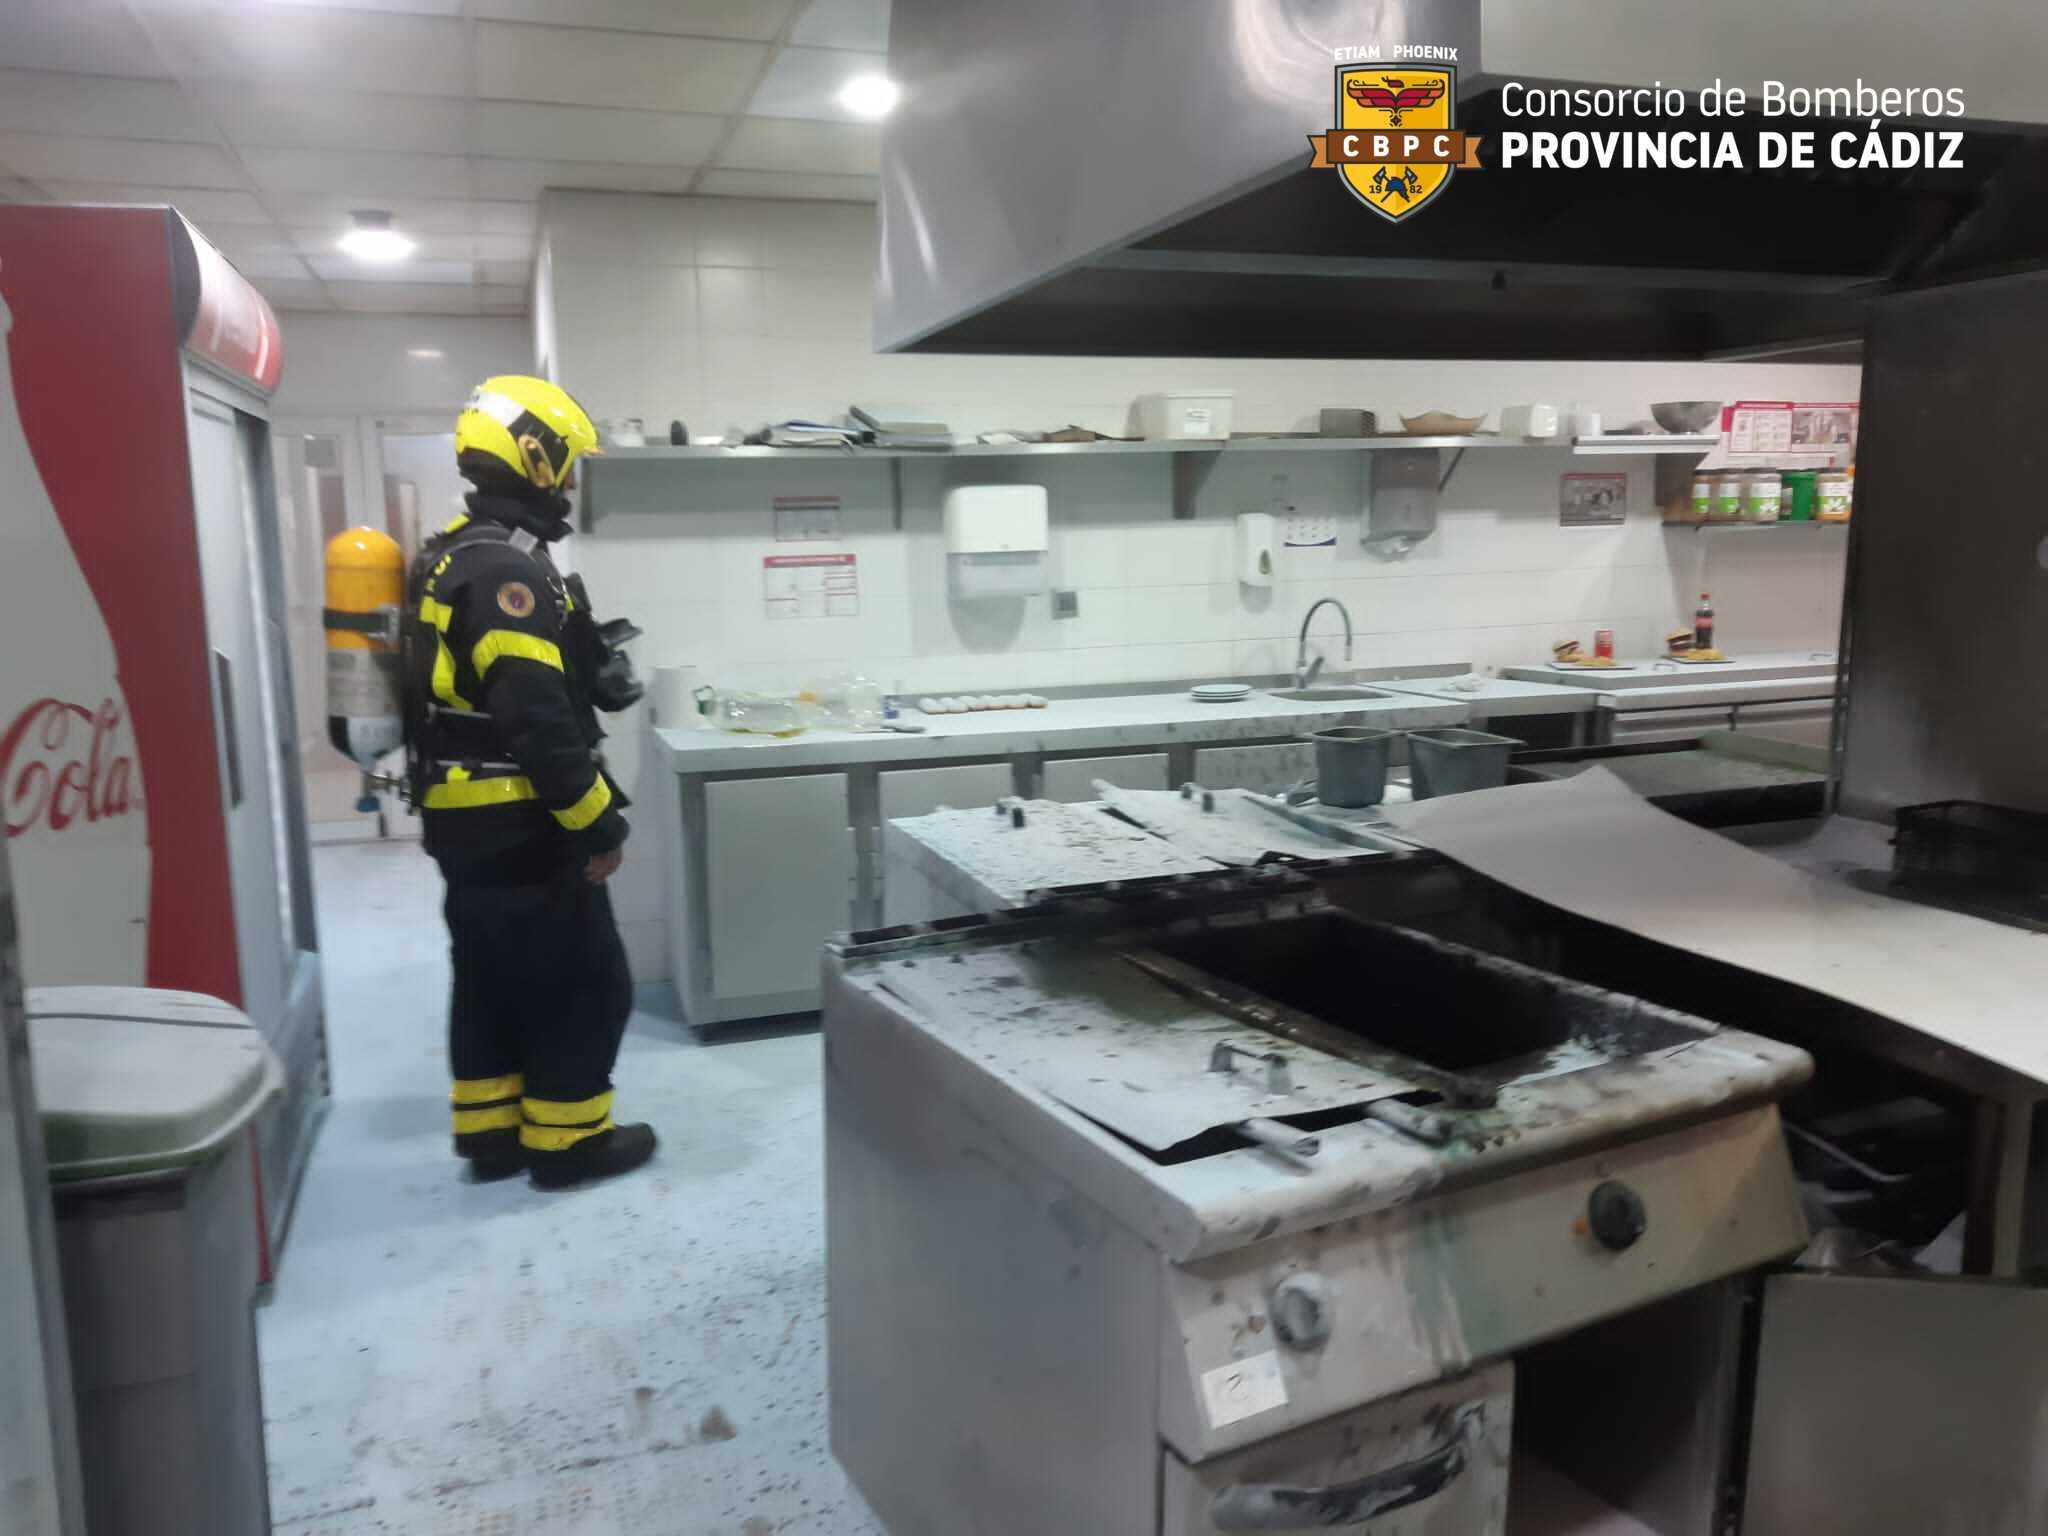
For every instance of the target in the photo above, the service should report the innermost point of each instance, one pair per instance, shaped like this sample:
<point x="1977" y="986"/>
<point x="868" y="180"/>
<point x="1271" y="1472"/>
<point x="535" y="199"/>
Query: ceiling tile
<point x="201" y="205"/>
<point x="406" y="7"/>
<point x="789" y="144"/>
<point x="524" y="179"/>
<point x="259" y="116"/>
<point x="42" y="157"/>
<point x="329" y="209"/>
<point x="336" y="267"/>
<point x="862" y="24"/>
<point x="405" y="298"/>
<point x="613" y="69"/>
<point x="504" y="247"/>
<point x="98" y="106"/>
<point x="370" y="180"/>
<point x="268" y="268"/>
<point x="493" y="218"/>
<point x="294" y="293"/>
<point x="505" y="274"/>
<point x="849" y="189"/>
<point x="756" y="19"/>
<point x="805" y="82"/>
<point x="524" y="130"/>
<point x="95" y="37"/>
<point x="316" y="48"/>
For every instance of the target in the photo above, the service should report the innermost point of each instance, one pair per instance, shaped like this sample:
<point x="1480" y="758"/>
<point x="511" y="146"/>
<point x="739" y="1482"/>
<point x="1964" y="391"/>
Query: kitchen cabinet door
<point x="779" y="860"/>
<point x="1898" y="1405"/>
<point x="1432" y="1462"/>
<point x="1073" y="779"/>
<point x="962" y="786"/>
<point x="1267" y="767"/>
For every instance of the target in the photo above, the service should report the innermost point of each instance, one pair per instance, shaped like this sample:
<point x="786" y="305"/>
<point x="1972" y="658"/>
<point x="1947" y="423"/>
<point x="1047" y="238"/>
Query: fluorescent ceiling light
<point x="425" y="354"/>
<point x="869" y="95"/>
<point x="373" y="238"/>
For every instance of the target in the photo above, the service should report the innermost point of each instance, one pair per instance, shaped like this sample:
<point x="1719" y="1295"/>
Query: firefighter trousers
<point x="540" y="1000"/>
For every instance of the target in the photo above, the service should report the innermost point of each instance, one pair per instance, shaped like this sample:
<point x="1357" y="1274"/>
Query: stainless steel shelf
<point x="1191" y="458"/>
<point x="1783" y="522"/>
<point x="1648" y="442"/>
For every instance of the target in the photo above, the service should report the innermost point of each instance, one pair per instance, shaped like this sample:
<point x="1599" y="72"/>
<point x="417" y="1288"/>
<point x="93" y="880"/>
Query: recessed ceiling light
<point x="425" y="354"/>
<point x="869" y="95"/>
<point x="373" y="238"/>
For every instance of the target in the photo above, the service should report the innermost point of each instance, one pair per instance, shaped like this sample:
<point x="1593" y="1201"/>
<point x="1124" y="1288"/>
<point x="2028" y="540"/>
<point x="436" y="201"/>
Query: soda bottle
<point x="1703" y="624"/>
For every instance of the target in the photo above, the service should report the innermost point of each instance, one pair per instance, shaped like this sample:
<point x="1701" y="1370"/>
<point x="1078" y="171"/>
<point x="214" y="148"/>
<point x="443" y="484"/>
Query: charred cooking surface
<point x="1081" y="1026"/>
<point x="1440" y="1004"/>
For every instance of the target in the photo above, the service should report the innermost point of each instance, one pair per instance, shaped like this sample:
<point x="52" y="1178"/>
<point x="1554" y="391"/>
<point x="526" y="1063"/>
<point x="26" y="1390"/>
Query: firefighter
<point x="505" y="668"/>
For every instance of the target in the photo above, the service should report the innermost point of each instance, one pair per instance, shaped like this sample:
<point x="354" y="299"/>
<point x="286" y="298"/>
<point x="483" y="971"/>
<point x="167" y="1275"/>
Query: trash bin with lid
<point x="146" y="1099"/>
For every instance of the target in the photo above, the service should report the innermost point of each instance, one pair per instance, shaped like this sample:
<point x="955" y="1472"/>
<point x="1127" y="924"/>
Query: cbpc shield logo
<point x="1394" y="145"/>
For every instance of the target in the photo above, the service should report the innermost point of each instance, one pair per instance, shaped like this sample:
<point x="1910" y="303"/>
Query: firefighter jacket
<point x="501" y="732"/>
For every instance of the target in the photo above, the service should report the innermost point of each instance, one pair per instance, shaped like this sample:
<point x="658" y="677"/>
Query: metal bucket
<point x="1451" y="761"/>
<point x="1351" y="764"/>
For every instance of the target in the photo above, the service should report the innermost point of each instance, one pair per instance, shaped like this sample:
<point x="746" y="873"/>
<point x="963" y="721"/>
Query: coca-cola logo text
<point x="60" y="762"/>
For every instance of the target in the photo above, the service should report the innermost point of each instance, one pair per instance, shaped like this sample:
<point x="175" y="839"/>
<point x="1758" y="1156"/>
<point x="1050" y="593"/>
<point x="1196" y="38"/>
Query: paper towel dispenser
<point x="996" y="540"/>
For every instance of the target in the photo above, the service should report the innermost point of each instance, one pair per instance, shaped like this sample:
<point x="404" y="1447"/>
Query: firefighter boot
<point x="491" y="1155"/>
<point x="617" y="1149"/>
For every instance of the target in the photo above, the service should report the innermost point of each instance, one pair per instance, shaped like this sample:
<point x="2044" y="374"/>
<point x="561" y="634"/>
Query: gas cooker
<point x="1159" y="1207"/>
<point x="1151" y="1039"/>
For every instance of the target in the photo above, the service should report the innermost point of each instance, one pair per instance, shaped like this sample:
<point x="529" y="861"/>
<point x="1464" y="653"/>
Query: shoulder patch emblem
<point x="516" y="598"/>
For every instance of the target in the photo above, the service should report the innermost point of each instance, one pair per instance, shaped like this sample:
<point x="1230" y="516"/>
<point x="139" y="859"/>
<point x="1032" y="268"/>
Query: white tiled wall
<point x="730" y="312"/>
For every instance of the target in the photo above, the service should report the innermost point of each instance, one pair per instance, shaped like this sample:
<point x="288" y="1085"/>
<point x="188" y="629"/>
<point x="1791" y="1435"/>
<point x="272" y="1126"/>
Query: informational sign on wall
<point x="1787" y="434"/>
<point x="806" y="519"/>
<point x="1592" y="500"/>
<point x="811" y="586"/>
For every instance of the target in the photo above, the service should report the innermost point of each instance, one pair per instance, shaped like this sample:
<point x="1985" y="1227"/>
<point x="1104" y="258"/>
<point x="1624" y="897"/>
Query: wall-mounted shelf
<point x="1693" y="525"/>
<point x="1191" y="458"/>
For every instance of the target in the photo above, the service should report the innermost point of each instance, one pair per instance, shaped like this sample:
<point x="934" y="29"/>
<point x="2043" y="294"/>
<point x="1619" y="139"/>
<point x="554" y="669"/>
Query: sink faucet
<point x="1305" y="670"/>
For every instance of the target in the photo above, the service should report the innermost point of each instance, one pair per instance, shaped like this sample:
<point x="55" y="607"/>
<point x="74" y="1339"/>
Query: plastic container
<point x="1452" y="761"/>
<point x="1728" y="499"/>
<point x="1184" y="413"/>
<point x="1798" y="499"/>
<point x="1832" y="491"/>
<point x="147" y="1100"/>
<point x="1351" y="764"/>
<point x="1763" y="496"/>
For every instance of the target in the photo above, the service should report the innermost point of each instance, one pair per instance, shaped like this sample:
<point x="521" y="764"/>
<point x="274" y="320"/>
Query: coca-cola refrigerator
<point x="149" y="770"/>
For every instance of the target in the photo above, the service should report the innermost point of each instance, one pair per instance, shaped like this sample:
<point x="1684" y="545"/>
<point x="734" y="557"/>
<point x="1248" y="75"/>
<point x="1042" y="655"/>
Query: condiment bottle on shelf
<point x="1703" y="624"/>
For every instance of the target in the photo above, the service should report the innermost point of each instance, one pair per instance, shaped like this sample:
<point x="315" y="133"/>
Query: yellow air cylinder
<point x="365" y="589"/>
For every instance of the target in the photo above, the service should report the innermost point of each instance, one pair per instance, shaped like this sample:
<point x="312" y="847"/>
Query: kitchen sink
<point x="1338" y="695"/>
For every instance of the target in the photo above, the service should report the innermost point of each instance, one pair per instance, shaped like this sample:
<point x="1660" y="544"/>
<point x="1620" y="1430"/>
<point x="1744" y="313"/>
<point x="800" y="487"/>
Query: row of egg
<point x="968" y="702"/>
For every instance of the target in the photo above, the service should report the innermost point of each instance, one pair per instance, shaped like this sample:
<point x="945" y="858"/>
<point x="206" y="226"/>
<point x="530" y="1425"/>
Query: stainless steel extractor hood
<point x="1130" y="177"/>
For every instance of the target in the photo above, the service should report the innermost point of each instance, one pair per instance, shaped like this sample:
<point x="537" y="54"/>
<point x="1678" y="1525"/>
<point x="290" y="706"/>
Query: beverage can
<point x="1603" y="644"/>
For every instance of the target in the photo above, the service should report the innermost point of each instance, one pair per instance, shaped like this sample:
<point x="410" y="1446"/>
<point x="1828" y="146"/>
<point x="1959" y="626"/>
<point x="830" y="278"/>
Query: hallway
<point x="640" y="1356"/>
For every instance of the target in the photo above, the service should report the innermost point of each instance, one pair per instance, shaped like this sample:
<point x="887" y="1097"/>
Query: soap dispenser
<point x="1256" y="535"/>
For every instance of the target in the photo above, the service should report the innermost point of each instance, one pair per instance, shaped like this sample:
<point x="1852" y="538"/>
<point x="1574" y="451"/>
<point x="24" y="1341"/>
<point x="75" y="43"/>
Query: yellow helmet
<point x="533" y="428"/>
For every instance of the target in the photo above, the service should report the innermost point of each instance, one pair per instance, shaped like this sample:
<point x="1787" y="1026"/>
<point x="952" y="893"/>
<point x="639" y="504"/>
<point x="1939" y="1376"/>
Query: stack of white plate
<point x="1220" y="693"/>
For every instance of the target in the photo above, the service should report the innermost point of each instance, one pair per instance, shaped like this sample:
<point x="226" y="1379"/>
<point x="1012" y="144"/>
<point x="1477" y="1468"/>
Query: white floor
<point x="642" y="1356"/>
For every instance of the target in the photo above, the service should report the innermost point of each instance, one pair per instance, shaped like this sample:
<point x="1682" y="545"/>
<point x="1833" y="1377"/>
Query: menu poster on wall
<point x="1785" y="434"/>
<point x="806" y="519"/>
<point x="811" y="586"/>
<point x="1592" y="500"/>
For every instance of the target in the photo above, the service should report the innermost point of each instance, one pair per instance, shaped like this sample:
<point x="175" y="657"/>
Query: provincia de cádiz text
<point x="1880" y="141"/>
